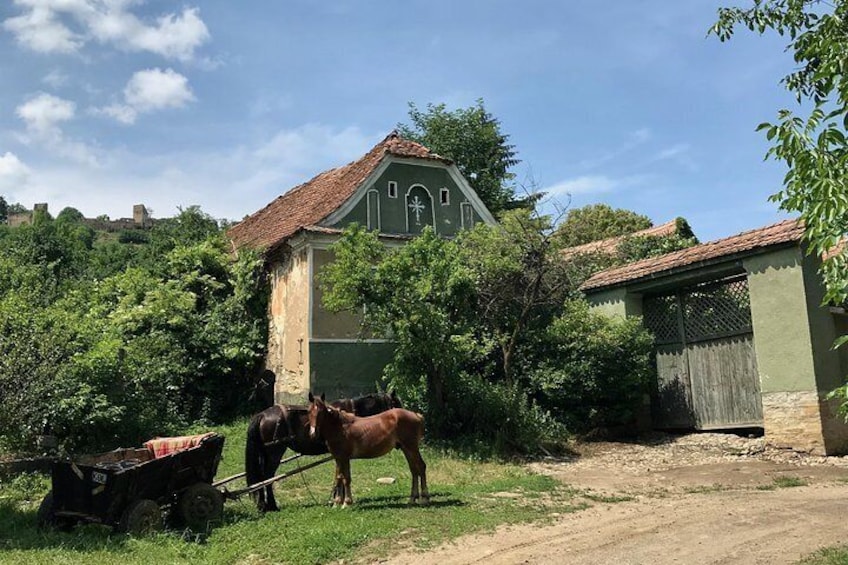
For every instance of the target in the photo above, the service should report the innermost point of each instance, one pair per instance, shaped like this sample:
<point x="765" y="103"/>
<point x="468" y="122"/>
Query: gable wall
<point x="393" y="211"/>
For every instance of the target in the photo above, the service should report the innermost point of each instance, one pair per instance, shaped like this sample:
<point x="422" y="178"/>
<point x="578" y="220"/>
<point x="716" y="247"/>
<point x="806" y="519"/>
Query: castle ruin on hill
<point x="140" y="220"/>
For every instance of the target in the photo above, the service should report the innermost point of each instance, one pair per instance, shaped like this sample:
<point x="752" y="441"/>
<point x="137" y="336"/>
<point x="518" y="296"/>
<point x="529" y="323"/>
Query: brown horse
<point x="281" y="427"/>
<point x="351" y="437"/>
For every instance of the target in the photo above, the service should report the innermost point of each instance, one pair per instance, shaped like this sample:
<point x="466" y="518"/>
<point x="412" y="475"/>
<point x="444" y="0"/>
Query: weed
<point x="788" y="482"/>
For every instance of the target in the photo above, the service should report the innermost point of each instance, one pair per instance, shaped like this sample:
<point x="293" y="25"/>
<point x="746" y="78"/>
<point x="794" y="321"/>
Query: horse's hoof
<point x="424" y="501"/>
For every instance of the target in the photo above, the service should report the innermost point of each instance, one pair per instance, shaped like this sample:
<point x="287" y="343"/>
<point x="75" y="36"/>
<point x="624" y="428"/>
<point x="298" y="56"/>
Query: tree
<point x="472" y="138"/>
<point x="599" y="221"/>
<point x="4" y="210"/>
<point x="811" y="142"/>
<point x="519" y="279"/>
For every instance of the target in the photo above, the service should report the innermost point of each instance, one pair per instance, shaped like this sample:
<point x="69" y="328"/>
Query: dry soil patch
<point x="701" y="498"/>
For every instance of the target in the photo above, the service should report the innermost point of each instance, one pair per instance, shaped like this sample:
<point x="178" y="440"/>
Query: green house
<point x="741" y="337"/>
<point x="396" y="189"/>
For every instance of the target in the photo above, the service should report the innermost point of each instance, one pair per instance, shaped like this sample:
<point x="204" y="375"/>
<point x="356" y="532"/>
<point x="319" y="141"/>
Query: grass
<point x="788" y="482"/>
<point x="467" y="496"/>
<point x="828" y="556"/>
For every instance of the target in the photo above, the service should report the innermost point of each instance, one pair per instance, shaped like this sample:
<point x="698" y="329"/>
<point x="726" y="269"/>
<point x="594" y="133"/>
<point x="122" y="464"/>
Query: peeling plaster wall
<point x="288" y="335"/>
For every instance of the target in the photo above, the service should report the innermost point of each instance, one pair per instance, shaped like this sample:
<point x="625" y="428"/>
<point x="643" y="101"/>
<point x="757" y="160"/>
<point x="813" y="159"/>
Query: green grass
<point x="466" y="495"/>
<point x="828" y="556"/>
<point x="788" y="482"/>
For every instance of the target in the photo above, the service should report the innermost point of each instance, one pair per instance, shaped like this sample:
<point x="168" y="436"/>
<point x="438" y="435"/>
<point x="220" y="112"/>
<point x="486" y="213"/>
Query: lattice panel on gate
<point x="717" y="310"/>
<point x="661" y="317"/>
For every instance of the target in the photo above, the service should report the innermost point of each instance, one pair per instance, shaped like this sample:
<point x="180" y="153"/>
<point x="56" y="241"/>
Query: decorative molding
<point x="432" y="206"/>
<point x="368" y="219"/>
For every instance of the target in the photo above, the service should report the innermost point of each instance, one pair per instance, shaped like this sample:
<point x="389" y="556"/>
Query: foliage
<point x="519" y="279"/>
<point x="102" y="347"/>
<point x="477" y="323"/>
<point x="812" y="143"/>
<point x="598" y="221"/>
<point x="593" y="371"/>
<point x="4" y="210"/>
<point x="473" y="139"/>
<point x="422" y="294"/>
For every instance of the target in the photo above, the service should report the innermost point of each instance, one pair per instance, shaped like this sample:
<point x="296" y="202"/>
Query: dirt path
<point x="694" y="499"/>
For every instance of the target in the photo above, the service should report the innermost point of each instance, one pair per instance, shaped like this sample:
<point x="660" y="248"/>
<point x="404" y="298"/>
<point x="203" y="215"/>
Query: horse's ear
<point x="394" y="395"/>
<point x="323" y="397"/>
<point x="311" y="398"/>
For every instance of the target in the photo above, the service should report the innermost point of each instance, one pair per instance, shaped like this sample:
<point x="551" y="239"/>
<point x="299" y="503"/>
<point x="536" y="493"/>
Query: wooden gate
<point x="706" y="366"/>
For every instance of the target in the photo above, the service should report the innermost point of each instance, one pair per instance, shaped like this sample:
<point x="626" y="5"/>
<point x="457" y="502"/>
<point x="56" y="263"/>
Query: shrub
<point x="592" y="371"/>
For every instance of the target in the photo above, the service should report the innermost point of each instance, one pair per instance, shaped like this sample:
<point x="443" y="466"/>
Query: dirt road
<point x="694" y="499"/>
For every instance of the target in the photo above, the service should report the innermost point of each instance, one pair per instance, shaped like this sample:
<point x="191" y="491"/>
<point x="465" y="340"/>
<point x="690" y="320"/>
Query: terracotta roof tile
<point x="309" y="203"/>
<point x="610" y="245"/>
<point x="787" y="231"/>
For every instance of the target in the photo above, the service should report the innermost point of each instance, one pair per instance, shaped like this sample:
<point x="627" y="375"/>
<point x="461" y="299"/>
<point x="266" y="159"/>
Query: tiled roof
<point x="788" y="231"/>
<point x="609" y="245"/>
<point x="309" y="203"/>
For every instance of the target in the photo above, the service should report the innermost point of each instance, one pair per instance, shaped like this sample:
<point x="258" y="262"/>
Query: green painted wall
<point x="823" y="328"/>
<point x="347" y="369"/>
<point x="779" y="310"/>
<point x="326" y="324"/>
<point x="616" y="302"/>
<point x="393" y="211"/>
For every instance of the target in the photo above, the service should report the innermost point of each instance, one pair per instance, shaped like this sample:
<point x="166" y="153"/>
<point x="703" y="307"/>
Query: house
<point x="396" y="189"/>
<point x="741" y="337"/>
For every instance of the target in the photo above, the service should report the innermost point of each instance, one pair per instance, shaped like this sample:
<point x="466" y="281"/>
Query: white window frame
<point x="371" y="225"/>
<point x="393" y="189"/>
<point x="444" y="196"/>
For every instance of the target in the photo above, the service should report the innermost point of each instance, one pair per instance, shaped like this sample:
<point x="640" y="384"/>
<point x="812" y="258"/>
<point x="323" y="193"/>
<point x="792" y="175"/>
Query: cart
<point x="131" y="489"/>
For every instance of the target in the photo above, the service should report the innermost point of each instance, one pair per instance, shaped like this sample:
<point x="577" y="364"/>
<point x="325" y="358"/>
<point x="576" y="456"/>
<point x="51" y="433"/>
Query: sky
<point x="226" y="105"/>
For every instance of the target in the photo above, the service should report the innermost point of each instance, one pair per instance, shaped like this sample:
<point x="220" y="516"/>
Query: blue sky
<point x="108" y="103"/>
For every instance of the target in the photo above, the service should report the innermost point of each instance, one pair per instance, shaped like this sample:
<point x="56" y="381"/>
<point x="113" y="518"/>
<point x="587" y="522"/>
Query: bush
<point x="593" y="371"/>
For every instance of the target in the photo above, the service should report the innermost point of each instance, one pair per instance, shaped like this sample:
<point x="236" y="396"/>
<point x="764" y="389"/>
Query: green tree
<point x="520" y="281"/>
<point x="473" y="139"/>
<point x="599" y="221"/>
<point x="811" y="141"/>
<point x="4" y="210"/>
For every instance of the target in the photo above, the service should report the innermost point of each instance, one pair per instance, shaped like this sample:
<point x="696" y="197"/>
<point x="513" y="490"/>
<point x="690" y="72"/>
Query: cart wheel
<point x="200" y="505"/>
<point x="47" y="519"/>
<point x="141" y="517"/>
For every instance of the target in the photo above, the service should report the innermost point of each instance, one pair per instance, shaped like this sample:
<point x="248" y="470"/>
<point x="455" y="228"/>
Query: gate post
<point x="793" y="335"/>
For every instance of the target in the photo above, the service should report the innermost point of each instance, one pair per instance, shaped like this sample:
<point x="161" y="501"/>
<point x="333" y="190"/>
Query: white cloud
<point x="44" y="26"/>
<point x="44" y="112"/>
<point x="55" y="78"/>
<point x="43" y="115"/>
<point x="592" y="184"/>
<point x="228" y="183"/>
<point x="150" y="90"/>
<point x="13" y="173"/>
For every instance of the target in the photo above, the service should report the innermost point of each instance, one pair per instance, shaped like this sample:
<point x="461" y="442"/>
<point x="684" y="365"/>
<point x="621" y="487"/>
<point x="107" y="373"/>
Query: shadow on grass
<point x="437" y="500"/>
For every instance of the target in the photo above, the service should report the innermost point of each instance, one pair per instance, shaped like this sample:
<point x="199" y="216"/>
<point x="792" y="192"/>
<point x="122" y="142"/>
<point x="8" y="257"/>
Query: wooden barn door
<point x="706" y="366"/>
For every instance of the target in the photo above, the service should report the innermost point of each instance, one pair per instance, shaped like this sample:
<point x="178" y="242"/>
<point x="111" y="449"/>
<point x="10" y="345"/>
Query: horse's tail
<point x="254" y="452"/>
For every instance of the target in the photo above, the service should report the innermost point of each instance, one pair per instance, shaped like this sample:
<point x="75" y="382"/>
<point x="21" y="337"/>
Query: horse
<point x="282" y="427"/>
<point x="351" y="437"/>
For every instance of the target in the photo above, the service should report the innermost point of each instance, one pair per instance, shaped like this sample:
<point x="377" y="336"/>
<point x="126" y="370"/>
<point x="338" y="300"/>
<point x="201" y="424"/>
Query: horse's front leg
<point x="345" y="469"/>
<point x="338" y="487"/>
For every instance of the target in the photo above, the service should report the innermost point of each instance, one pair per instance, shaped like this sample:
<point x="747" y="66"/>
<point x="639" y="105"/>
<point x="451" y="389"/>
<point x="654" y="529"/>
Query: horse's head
<point x="318" y="412"/>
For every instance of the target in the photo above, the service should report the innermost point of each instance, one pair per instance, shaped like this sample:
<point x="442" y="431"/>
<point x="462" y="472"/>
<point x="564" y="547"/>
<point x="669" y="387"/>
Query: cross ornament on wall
<point x="417" y="207"/>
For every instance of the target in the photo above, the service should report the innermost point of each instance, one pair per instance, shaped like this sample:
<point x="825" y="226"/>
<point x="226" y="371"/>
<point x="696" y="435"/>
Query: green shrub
<point x="592" y="371"/>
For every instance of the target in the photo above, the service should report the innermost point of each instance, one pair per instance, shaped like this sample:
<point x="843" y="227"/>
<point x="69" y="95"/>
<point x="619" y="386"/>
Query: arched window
<point x="419" y="209"/>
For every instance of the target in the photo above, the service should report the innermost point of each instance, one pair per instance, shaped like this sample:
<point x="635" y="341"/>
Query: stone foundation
<point x="804" y="422"/>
